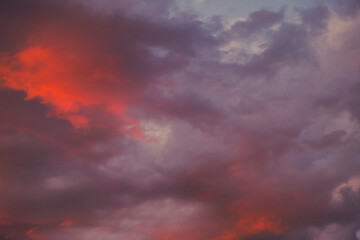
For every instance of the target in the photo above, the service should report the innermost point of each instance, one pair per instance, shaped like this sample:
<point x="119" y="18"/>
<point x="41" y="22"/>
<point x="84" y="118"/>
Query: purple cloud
<point x="123" y="120"/>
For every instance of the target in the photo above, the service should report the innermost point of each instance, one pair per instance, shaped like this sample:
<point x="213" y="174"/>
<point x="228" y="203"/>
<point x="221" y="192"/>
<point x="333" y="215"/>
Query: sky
<point x="232" y="9"/>
<point x="179" y="120"/>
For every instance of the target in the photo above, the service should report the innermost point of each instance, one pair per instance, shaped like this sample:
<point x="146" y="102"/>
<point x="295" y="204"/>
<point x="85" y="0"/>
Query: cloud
<point x="353" y="185"/>
<point x="257" y="21"/>
<point x="123" y="120"/>
<point x="348" y="7"/>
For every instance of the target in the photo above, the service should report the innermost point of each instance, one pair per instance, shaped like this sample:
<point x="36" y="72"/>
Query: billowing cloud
<point x="139" y="121"/>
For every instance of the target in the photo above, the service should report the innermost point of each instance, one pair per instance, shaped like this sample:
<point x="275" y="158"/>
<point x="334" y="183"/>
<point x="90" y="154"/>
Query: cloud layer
<point x="139" y="121"/>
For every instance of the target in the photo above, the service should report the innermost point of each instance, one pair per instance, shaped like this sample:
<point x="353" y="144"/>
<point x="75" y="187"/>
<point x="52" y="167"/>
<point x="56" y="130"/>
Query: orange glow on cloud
<point x="67" y="81"/>
<point x="33" y="233"/>
<point x="252" y="225"/>
<point x="68" y="222"/>
<point x="166" y="235"/>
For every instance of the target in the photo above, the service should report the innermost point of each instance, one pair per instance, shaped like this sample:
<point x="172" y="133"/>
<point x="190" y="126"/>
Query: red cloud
<point x="68" y="81"/>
